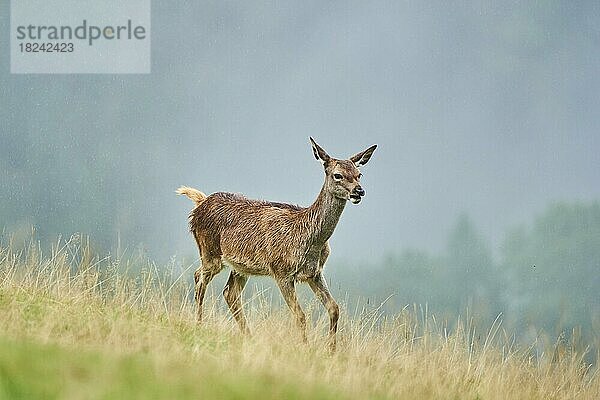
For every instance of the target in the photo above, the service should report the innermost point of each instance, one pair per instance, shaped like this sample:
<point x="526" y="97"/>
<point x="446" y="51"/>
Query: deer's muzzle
<point x="357" y="194"/>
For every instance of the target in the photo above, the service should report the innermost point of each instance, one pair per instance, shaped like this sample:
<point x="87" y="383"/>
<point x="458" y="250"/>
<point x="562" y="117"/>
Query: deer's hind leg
<point x="202" y="277"/>
<point x="233" y="296"/>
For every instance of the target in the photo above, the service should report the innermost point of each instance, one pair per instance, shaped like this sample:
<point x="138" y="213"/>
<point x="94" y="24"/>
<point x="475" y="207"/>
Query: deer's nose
<point x="359" y="191"/>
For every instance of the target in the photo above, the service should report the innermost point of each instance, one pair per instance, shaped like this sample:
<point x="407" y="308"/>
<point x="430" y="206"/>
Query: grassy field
<point x="75" y="327"/>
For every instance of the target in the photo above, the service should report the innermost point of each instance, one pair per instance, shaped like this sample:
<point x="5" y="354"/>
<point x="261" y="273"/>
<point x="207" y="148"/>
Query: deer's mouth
<point x="355" y="198"/>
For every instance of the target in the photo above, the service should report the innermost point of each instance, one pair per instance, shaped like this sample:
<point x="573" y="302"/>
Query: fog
<point x="487" y="109"/>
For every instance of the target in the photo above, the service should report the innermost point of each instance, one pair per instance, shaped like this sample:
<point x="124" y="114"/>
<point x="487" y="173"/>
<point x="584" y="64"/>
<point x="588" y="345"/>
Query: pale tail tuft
<point x="195" y="195"/>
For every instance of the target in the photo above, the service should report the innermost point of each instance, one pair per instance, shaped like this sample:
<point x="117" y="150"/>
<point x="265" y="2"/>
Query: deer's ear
<point x="363" y="157"/>
<point x="318" y="151"/>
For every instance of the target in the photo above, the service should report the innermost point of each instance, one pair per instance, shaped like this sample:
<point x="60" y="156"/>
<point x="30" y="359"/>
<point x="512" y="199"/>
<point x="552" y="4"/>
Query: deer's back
<point x="253" y="236"/>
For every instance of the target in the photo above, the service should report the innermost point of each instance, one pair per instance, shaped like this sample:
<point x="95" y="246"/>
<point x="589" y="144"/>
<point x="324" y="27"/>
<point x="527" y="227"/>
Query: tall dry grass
<point x="74" y="299"/>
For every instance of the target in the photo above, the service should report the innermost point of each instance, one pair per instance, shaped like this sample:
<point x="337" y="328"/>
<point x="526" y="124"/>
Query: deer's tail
<point x="195" y="195"/>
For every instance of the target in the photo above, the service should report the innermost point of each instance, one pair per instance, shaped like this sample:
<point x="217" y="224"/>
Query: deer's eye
<point x="338" y="177"/>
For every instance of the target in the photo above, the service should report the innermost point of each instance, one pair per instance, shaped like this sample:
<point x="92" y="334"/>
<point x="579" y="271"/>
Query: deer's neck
<point x="324" y="215"/>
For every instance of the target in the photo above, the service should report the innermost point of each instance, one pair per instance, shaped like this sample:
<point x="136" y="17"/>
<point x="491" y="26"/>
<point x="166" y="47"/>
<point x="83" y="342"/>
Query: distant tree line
<point x="545" y="280"/>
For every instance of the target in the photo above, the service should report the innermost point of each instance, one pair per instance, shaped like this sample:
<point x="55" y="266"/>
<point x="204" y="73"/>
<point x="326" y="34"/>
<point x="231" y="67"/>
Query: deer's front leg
<point x="319" y="286"/>
<point x="288" y="290"/>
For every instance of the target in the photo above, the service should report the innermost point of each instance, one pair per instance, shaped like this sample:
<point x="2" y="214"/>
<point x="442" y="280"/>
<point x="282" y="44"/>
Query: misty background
<point x="482" y="194"/>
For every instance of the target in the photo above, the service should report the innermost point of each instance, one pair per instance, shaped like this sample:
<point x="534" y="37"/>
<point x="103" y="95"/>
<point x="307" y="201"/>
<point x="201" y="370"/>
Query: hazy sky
<point x="490" y="108"/>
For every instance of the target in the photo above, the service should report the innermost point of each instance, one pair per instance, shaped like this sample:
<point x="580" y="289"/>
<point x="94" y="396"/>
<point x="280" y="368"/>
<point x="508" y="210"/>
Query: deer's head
<point x="342" y="177"/>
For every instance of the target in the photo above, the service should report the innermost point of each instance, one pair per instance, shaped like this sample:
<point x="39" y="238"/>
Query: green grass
<point x="76" y="328"/>
<point x="30" y="370"/>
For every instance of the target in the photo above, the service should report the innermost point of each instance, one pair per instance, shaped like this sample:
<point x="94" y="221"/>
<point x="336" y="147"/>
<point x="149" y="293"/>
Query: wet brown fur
<point x="285" y="241"/>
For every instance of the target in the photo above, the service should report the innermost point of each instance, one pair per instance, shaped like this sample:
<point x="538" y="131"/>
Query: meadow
<point x="78" y="326"/>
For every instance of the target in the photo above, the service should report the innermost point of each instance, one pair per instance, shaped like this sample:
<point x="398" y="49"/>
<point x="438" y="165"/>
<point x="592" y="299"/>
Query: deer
<point x="285" y="241"/>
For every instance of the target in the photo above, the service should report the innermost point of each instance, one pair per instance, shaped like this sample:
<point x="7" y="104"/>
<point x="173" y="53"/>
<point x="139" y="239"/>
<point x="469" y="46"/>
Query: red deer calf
<point x="285" y="241"/>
